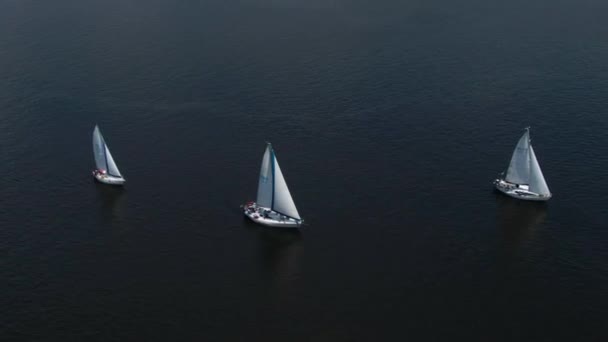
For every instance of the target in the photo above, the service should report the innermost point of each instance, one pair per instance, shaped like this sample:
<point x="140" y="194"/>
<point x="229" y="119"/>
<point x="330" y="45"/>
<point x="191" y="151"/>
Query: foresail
<point x="99" y="150"/>
<point x="112" y="168"/>
<point x="537" y="180"/>
<point x="519" y="168"/>
<point x="283" y="203"/>
<point x="266" y="180"/>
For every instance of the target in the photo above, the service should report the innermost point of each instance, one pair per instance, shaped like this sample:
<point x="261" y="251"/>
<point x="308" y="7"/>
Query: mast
<point x="272" y="162"/>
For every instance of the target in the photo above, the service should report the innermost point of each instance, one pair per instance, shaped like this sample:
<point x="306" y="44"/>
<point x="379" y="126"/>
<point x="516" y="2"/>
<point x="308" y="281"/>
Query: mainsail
<point x="519" y="168"/>
<point x="266" y="182"/>
<point x="99" y="150"/>
<point x="272" y="188"/>
<point x="103" y="157"/>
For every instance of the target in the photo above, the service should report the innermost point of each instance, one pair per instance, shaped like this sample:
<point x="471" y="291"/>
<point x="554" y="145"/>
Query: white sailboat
<point x="106" y="172"/>
<point x="524" y="178"/>
<point x="274" y="206"/>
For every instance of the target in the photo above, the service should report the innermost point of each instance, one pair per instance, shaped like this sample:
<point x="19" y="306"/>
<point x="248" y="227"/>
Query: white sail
<point x="112" y="168"/>
<point x="103" y="157"/>
<point x="519" y="168"/>
<point x="537" y="180"/>
<point x="265" y="183"/>
<point x="283" y="203"/>
<point x="99" y="152"/>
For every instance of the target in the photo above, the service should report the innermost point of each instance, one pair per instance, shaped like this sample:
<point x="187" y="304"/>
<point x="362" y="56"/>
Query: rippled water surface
<point x="390" y="120"/>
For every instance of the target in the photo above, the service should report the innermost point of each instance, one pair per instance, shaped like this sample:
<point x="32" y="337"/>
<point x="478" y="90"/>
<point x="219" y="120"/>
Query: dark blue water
<point x="390" y="120"/>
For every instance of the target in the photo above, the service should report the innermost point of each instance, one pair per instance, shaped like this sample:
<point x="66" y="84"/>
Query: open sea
<point x="390" y="119"/>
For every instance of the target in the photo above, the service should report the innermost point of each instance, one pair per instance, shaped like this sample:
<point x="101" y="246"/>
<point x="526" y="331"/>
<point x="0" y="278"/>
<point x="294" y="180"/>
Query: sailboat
<point x="274" y="206"/>
<point x="524" y="178"/>
<point x="106" y="171"/>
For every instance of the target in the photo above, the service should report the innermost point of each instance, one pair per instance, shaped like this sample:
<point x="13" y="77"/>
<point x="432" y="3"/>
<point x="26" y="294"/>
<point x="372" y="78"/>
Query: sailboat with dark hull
<point x="274" y="206"/>
<point x="524" y="178"/>
<point x="106" y="172"/>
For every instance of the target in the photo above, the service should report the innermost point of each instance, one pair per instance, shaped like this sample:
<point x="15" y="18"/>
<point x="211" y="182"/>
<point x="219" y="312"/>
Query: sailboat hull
<point x="519" y="191"/>
<point x="107" y="179"/>
<point x="269" y="218"/>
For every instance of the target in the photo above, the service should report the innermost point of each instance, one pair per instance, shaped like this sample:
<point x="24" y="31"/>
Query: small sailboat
<point x="274" y="206"/>
<point x="106" y="171"/>
<point x="524" y="178"/>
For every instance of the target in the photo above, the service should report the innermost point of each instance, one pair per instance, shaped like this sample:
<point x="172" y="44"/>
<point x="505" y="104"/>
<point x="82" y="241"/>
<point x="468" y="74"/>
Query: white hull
<point x="107" y="179"/>
<point x="269" y="218"/>
<point x="519" y="191"/>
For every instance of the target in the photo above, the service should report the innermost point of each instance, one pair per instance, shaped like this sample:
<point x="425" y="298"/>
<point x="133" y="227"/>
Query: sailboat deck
<point x="108" y="179"/>
<point x="520" y="191"/>
<point x="267" y="217"/>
